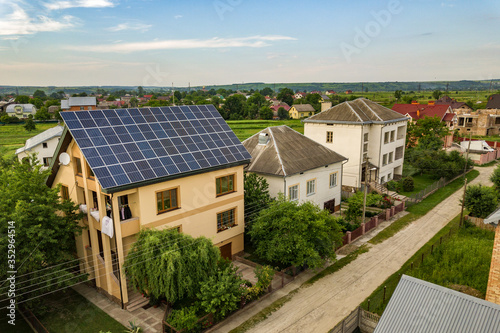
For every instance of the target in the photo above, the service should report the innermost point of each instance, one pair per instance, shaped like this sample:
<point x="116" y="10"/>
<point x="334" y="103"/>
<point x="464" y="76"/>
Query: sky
<point x="160" y="43"/>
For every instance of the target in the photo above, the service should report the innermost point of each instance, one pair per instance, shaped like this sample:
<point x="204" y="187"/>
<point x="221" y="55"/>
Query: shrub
<point x="393" y="185"/>
<point x="221" y="294"/>
<point x="480" y="200"/>
<point x="408" y="184"/>
<point x="184" y="319"/>
<point x="264" y="275"/>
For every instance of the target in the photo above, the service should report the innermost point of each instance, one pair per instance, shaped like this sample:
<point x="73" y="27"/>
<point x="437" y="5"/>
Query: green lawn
<point x="68" y="311"/>
<point x="246" y="128"/>
<point x="422" y="208"/>
<point x="421" y="182"/>
<point x="462" y="262"/>
<point x="13" y="136"/>
<point x="21" y="325"/>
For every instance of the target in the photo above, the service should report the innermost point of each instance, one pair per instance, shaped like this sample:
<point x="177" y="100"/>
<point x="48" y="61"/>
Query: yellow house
<point x="298" y="111"/>
<point x="165" y="168"/>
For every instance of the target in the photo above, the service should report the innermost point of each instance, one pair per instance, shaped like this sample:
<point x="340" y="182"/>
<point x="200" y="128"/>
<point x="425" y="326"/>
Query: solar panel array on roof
<point x="125" y="146"/>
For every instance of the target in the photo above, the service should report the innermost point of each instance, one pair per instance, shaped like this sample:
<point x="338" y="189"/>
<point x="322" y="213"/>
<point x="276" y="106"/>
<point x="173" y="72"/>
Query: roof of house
<point x="304" y="107"/>
<point x="26" y="108"/>
<point x="449" y="101"/>
<point x="359" y="111"/>
<point x="276" y="107"/>
<point x="40" y="138"/>
<point x="448" y="117"/>
<point x="493" y="102"/>
<point x="425" y="110"/>
<point x="287" y="152"/>
<point x="128" y="148"/>
<point x="78" y="101"/>
<point x="420" y="306"/>
<point x="493" y="218"/>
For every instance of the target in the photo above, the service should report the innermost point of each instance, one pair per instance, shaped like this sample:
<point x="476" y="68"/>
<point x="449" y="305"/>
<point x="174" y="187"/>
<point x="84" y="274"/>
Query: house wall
<point x="323" y="191"/>
<point x="196" y="216"/>
<point x="40" y="151"/>
<point x="493" y="289"/>
<point x="348" y="140"/>
<point x="79" y="108"/>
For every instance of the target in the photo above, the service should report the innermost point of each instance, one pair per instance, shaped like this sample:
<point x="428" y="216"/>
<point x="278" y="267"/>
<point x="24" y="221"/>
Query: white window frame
<point x="311" y="187"/>
<point x="294" y="189"/>
<point x="390" y="158"/>
<point x="384" y="159"/>
<point x="333" y="179"/>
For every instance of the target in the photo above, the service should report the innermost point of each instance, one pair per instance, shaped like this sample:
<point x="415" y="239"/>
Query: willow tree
<point x="166" y="263"/>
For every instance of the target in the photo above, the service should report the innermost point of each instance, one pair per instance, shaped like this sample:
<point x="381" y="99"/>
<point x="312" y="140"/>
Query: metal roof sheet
<point x="419" y="306"/>
<point x="82" y="101"/>
<point x="287" y="152"/>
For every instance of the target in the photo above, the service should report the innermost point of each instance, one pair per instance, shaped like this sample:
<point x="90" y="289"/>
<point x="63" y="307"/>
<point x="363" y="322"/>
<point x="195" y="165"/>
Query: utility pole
<point x="465" y="182"/>
<point x="366" y="189"/>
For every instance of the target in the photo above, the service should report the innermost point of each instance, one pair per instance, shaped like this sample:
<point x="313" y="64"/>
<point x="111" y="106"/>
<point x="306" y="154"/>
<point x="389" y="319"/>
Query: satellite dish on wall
<point x="64" y="158"/>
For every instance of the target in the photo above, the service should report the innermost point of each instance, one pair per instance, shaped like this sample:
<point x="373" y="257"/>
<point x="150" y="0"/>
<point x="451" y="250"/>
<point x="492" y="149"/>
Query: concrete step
<point x="137" y="303"/>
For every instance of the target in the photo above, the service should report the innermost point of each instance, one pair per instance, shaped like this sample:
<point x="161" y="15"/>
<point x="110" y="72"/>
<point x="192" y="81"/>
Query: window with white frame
<point x="382" y="180"/>
<point x="391" y="154"/>
<point x="393" y="134"/>
<point x="365" y="147"/>
<point x="384" y="159"/>
<point x="333" y="179"/>
<point x="293" y="192"/>
<point x="386" y="137"/>
<point x="389" y="176"/>
<point x="311" y="187"/>
<point x="365" y="137"/>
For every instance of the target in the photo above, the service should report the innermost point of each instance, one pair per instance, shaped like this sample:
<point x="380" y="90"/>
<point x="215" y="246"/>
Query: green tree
<point x="480" y="200"/>
<point x="39" y="94"/>
<point x="29" y="124"/>
<point x="221" y="293"/>
<point x="140" y="91"/>
<point x="42" y="114"/>
<point x="257" y="196"/>
<point x="21" y="99"/>
<point x="293" y="234"/>
<point x="314" y="100"/>
<point x="283" y="114"/>
<point x="266" y="113"/>
<point x="134" y="102"/>
<point x="495" y="177"/>
<point x="398" y="94"/>
<point x="426" y="127"/>
<point x="286" y="95"/>
<point x="267" y="92"/>
<point x="436" y="94"/>
<point x="37" y="102"/>
<point x="178" y="96"/>
<point x="234" y="107"/>
<point x="45" y="228"/>
<point x="169" y="264"/>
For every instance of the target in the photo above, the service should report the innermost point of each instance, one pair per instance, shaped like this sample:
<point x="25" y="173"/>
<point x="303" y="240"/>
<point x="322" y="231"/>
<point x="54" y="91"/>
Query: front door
<point x="330" y="205"/>
<point x="226" y="251"/>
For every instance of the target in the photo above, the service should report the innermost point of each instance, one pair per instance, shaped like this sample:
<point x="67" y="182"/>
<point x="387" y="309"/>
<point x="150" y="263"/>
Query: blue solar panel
<point x="126" y="146"/>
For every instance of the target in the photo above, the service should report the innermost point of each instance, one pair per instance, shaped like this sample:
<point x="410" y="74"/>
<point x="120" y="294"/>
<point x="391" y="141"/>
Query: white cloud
<point x="177" y="17"/>
<point x="18" y="22"/>
<point x="177" y="44"/>
<point x="65" y="4"/>
<point x="130" y="26"/>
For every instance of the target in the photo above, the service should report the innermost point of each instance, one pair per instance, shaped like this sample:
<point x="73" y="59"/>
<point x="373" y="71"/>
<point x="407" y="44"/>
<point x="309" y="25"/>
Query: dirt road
<point x="321" y="306"/>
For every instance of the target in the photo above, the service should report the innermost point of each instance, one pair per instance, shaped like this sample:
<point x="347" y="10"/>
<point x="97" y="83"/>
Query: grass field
<point x="246" y="128"/>
<point x="14" y="136"/>
<point x="420" y="182"/>
<point x="68" y="311"/>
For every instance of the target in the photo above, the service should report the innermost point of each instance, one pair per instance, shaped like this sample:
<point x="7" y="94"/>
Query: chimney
<point x="431" y="103"/>
<point x="493" y="289"/>
<point x="326" y="106"/>
<point x="418" y="113"/>
<point x="263" y="138"/>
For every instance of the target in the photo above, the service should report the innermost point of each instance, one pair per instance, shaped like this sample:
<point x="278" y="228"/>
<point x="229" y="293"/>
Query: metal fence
<point x="417" y="197"/>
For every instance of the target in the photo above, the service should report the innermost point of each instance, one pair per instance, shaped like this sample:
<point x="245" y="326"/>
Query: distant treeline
<point x="480" y="85"/>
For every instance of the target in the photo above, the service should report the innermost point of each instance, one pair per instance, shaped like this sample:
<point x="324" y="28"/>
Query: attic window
<point x="44" y="145"/>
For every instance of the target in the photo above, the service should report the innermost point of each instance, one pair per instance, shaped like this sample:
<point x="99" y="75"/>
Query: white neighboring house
<point x="21" y="110"/>
<point x="79" y="103"/>
<point x="44" y="144"/>
<point x="362" y="129"/>
<point x="297" y="166"/>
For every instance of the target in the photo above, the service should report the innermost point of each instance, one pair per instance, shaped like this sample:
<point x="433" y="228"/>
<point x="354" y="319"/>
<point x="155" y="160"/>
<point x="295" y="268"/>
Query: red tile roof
<point x="448" y="117"/>
<point x="276" y="107"/>
<point x="425" y="110"/>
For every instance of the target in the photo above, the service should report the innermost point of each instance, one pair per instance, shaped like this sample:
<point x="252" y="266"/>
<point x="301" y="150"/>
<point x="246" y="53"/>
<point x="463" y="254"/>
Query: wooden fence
<point x="479" y="222"/>
<point x="32" y="320"/>
<point x="359" y="318"/>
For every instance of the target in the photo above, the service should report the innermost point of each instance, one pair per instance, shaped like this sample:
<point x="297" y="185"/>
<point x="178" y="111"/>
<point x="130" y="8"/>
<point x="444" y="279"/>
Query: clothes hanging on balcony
<point x="107" y="226"/>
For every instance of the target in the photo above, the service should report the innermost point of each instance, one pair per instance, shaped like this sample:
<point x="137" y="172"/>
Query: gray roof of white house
<point x="26" y="108"/>
<point x="287" y="152"/>
<point x="40" y="138"/>
<point x="419" y="306"/>
<point x="493" y="218"/>
<point x="78" y="101"/>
